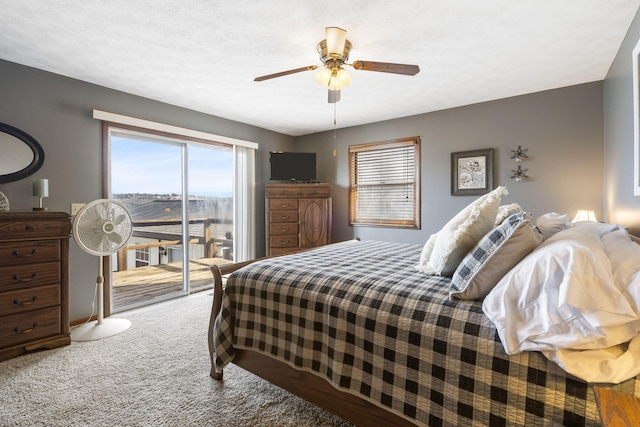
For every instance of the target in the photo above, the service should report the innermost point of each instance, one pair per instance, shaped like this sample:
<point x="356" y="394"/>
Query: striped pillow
<point x="494" y="255"/>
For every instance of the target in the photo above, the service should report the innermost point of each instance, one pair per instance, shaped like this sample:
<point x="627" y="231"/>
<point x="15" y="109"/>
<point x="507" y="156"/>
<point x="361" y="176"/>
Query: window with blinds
<point x="385" y="183"/>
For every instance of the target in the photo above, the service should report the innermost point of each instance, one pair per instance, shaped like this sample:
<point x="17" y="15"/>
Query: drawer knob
<point x="19" y="278"/>
<point x="283" y="229"/>
<point x="284" y="242"/>
<point x="284" y="205"/>
<point x="20" y="255"/>
<point x="284" y="216"/>
<point x="28" y="302"/>
<point x="28" y="228"/>
<point x="19" y="330"/>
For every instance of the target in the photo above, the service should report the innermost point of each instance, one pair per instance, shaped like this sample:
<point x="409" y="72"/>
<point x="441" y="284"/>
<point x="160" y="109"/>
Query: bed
<point x="361" y="330"/>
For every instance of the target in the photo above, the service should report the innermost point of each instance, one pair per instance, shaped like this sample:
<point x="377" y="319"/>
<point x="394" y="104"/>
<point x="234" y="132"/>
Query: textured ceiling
<point x="204" y="54"/>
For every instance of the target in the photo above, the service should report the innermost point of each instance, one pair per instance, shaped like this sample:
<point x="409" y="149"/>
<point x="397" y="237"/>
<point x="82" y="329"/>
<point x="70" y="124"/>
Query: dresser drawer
<point x="28" y="275"/>
<point x="283" y="204"/>
<point x="284" y="241"/>
<point x="22" y="300"/>
<point x="283" y="216"/>
<point x="280" y="229"/>
<point x="29" y="326"/>
<point x="29" y="252"/>
<point x="31" y="228"/>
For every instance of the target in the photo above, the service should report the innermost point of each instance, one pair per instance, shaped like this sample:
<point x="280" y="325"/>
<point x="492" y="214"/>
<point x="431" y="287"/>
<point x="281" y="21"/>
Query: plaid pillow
<point x="494" y="255"/>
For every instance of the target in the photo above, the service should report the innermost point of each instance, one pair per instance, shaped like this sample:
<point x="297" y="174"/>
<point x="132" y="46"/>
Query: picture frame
<point x="472" y="172"/>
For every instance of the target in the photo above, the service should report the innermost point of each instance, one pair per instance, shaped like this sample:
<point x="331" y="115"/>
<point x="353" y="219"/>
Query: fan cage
<point x="102" y="227"/>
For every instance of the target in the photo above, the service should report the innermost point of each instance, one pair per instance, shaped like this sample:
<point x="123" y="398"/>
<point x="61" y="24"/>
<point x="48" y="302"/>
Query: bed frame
<point x="303" y="384"/>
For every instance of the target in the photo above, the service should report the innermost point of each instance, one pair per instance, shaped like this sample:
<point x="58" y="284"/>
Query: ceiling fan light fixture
<point x="327" y="58"/>
<point x="333" y="78"/>
<point x="323" y="76"/>
<point x="339" y="79"/>
<point x="336" y="39"/>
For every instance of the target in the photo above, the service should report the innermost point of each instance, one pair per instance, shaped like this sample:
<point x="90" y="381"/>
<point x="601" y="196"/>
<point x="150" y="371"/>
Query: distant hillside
<point x="168" y="207"/>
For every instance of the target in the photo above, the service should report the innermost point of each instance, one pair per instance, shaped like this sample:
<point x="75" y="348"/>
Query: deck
<point x="146" y="283"/>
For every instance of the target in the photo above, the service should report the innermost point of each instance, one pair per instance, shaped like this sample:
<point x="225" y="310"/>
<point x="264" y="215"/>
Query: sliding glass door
<point x="180" y="194"/>
<point x="210" y="211"/>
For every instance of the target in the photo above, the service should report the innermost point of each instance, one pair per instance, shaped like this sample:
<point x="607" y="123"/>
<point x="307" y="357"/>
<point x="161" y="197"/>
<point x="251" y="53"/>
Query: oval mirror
<point x="20" y="154"/>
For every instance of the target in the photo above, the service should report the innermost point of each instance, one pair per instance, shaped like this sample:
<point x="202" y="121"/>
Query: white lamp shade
<point x="585" y="215"/>
<point x="340" y="79"/>
<point x="323" y="76"/>
<point x="334" y="79"/>
<point x="41" y="187"/>
<point x="336" y="38"/>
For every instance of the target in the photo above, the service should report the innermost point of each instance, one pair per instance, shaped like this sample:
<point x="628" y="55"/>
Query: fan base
<point x="92" y="331"/>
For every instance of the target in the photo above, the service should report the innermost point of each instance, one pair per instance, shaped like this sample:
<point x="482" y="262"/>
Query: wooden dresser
<point x="34" y="281"/>
<point x="298" y="216"/>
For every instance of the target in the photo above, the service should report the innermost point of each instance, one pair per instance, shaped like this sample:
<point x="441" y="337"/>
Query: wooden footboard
<point x="318" y="391"/>
<point x="304" y="384"/>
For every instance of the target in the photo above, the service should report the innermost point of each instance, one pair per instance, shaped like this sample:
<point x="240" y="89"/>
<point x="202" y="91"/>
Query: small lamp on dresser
<point x="40" y="190"/>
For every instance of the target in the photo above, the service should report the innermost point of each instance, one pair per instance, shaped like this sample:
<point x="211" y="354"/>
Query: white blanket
<point x="576" y="298"/>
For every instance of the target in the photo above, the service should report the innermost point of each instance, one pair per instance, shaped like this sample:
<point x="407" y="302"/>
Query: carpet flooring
<point x="154" y="374"/>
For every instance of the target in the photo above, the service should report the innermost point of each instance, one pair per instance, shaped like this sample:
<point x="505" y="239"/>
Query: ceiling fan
<point x="334" y="53"/>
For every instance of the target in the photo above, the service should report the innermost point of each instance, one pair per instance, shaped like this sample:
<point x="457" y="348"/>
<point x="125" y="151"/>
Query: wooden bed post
<point x="218" y="290"/>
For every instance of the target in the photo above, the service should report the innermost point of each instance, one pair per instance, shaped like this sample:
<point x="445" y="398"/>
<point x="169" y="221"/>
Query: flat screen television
<point x="294" y="167"/>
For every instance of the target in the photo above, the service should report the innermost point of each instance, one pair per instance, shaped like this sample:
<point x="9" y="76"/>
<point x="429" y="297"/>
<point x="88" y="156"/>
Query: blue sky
<point x="155" y="168"/>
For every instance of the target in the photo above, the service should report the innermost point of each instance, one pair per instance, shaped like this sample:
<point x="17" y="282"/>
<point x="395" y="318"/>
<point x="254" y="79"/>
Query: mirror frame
<point x="36" y="148"/>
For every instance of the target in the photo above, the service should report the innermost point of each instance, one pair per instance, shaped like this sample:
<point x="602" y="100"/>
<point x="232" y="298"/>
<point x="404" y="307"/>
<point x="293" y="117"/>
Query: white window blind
<point x="385" y="183"/>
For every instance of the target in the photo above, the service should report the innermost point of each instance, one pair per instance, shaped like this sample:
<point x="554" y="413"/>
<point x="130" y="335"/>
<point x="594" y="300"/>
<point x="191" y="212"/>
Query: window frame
<point x="142" y="257"/>
<point x="412" y="180"/>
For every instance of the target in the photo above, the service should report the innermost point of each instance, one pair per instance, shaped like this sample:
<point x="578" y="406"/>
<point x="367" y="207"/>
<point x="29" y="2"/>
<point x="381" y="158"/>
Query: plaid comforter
<point x="360" y="315"/>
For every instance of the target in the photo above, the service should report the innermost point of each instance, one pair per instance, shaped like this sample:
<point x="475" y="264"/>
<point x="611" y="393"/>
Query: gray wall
<point x="621" y="205"/>
<point x="562" y="129"/>
<point x="57" y="111"/>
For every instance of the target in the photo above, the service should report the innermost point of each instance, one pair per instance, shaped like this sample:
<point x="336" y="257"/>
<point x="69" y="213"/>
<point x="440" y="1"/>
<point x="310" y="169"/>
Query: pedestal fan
<point x="101" y="228"/>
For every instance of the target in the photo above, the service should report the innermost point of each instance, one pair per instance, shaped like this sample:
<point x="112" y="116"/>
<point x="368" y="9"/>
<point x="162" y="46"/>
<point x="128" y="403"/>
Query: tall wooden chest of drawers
<point x="298" y="216"/>
<point x="34" y="281"/>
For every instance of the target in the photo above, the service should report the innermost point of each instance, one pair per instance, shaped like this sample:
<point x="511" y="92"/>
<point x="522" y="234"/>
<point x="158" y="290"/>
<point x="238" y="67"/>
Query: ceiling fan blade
<point x="387" y="67"/>
<point x="285" y="73"/>
<point x="334" y="96"/>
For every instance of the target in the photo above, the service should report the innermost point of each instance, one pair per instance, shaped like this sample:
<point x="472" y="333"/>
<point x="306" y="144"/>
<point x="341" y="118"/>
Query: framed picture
<point x="472" y="172"/>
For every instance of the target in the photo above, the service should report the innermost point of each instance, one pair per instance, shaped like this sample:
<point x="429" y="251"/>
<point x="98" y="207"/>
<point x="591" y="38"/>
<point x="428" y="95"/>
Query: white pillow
<point x="551" y="223"/>
<point x="505" y="211"/>
<point x="427" y="250"/>
<point x="461" y="233"/>
<point x="562" y="296"/>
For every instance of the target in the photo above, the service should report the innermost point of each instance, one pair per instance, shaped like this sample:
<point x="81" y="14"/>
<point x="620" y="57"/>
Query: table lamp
<point x="40" y="190"/>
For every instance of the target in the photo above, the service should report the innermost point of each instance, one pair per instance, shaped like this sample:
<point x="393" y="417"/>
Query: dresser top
<point x="298" y="190"/>
<point x="14" y="215"/>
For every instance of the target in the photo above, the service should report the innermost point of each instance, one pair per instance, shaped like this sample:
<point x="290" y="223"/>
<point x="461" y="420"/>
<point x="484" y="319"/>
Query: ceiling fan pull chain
<point x="335" y="153"/>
